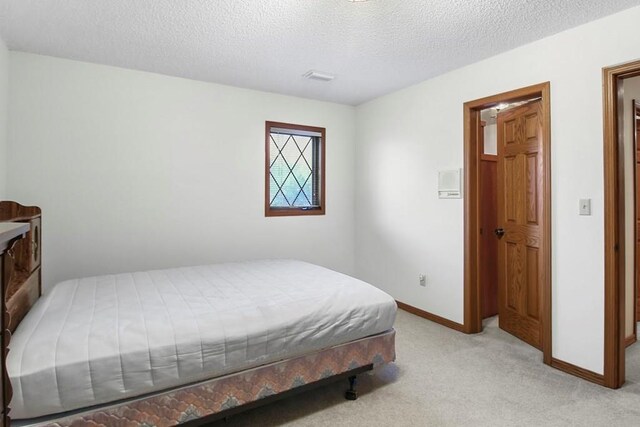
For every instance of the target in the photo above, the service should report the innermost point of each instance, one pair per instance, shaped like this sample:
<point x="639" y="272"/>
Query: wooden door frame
<point x="635" y="107"/>
<point x="636" y="284"/>
<point x="614" y="239"/>
<point x="472" y="311"/>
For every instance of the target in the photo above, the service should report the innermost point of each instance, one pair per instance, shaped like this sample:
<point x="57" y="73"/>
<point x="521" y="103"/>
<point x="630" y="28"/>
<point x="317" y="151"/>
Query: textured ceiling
<point x="372" y="48"/>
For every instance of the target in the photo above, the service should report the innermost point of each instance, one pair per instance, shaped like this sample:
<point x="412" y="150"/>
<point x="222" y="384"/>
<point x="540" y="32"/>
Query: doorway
<point x="618" y="273"/>
<point x="488" y="183"/>
<point x="524" y="215"/>
<point x="629" y="120"/>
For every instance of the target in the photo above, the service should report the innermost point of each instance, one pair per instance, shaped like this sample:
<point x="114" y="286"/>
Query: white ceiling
<point x="372" y="48"/>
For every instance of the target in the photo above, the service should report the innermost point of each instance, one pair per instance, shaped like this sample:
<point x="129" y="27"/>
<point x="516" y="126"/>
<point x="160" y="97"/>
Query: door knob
<point x="499" y="232"/>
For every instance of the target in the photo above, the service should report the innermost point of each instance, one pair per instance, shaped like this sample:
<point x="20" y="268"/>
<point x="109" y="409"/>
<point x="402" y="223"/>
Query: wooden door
<point x="520" y="217"/>
<point x="488" y="223"/>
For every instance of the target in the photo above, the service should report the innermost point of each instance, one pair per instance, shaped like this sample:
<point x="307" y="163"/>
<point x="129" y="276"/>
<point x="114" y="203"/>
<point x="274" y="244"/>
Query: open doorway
<point x="507" y="214"/>
<point x="488" y="183"/>
<point x="629" y="120"/>
<point x="628" y="213"/>
<point x="490" y="223"/>
<point x="621" y="226"/>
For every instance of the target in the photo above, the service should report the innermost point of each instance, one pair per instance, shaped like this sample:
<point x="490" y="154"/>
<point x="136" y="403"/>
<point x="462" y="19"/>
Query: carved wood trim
<point x="21" y="288"/>
<point x="7" y="261"/>
<point x="15" y="212"/>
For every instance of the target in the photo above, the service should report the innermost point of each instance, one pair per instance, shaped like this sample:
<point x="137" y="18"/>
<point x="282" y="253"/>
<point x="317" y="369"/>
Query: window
<point x="294" y="170"/>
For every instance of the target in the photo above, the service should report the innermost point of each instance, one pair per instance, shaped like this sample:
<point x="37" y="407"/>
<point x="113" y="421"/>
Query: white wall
<point x="4" y="94"/>
<point x="135" y="170"/>
<point x="631" y="91"/>
<point x="404" y="138"/>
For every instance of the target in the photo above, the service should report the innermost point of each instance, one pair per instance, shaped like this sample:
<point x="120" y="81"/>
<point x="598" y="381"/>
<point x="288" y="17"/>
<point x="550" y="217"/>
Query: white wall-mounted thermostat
<point x="450" y="184"/>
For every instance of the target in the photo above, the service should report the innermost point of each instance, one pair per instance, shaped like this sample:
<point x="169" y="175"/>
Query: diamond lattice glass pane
<point x="291" y="179"/>
<point x="279" y="139"/>
<point x="279" y="171"/>
<point x="291" y="188"/>
<point x="290" y="151"/>
<point x="301" y="171"/>
<point x="279" y="201"/>
<point x="308" y="189"/>
<point x="302" y="141"/>
<point x="308" y="155"/>
<point x="301" y="201"/>
<point x="273" y="188"/>
<point x="274" y="151"/>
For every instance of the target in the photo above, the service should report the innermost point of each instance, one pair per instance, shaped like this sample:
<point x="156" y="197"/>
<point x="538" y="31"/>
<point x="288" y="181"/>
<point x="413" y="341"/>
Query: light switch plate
<point x="585" y="206"/>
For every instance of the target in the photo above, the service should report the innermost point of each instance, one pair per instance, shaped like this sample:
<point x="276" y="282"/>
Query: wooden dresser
<point x="21" y="279"/>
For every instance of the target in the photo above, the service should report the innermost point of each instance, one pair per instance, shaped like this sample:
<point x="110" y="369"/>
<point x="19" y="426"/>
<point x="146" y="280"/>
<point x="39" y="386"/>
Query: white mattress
<point x="100" y="339"/>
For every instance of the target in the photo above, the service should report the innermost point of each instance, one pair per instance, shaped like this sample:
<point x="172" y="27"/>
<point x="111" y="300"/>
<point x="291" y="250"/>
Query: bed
<point x="182" y="345"/>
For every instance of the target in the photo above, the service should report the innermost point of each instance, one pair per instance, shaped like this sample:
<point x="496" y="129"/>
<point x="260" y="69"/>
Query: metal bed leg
<point x="352" y="393"/>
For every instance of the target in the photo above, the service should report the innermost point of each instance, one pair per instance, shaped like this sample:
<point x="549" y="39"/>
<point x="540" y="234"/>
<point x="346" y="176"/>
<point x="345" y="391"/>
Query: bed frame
<point x="194" y="404"/>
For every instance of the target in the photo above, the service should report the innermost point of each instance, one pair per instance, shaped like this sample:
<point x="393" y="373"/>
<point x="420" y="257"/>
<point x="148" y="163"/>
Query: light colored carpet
<point x="445" y="378"/>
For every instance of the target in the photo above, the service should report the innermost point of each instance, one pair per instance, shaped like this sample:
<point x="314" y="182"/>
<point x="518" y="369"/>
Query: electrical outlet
<point x="423" y="280"/>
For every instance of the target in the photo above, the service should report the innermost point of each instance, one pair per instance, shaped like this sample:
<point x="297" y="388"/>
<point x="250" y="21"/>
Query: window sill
<point x="293" y="212"/>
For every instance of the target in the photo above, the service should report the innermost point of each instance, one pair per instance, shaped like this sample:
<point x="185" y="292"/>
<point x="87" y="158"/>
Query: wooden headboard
<point x="21" y="275"/>
<point x="21" y="285"/>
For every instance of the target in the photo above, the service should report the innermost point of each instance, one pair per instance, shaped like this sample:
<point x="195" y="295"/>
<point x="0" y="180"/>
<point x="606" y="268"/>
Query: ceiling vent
<point x="316" y="75"/>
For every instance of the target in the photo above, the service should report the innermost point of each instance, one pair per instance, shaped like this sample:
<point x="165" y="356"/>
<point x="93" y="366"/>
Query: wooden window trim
<point x="270" y="211"/>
